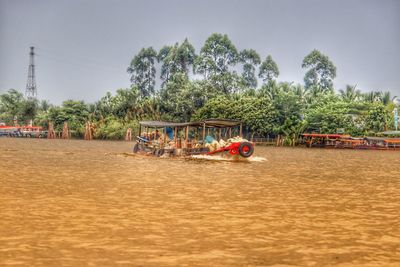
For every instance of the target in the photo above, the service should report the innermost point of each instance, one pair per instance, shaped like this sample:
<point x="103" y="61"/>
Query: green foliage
<point x="377" y="118"/>
<point x="268" y="69"/>
<point x="13" y="105"/>
<point x="329" y="114"/>
<point x="250" y="60"/>
<point x="113" y="128"/>
<point x="74" y="112"/>
<point x="256" y="113"/>
<point x="321" y="70"/>
<point x="143" y="71"/>
<point x="10" y="105"/>
<point x="350" y="94"/>
<point x="217" y="54"/>
<point x="275" y="108"/>
<point x="176" y="59"/>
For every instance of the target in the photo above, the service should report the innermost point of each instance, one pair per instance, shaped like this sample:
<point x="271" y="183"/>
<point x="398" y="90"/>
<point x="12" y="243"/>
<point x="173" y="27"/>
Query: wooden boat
<point x="8" y="130"/>
<point x="348" y="142"/>
<point x="192" y="138"/>
<point x="21" y="131"/>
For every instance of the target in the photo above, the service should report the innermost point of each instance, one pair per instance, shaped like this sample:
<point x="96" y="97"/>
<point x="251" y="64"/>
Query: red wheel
<point x="246" y="149"/>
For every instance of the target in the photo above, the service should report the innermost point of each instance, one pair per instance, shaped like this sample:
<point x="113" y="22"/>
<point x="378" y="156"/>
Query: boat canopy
<point x="161" y="124"/>
<point x="332" y="136"/>
<point x="221" y="123"/>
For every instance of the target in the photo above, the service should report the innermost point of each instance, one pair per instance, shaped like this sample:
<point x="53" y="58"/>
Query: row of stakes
<point x="89" y="129"/>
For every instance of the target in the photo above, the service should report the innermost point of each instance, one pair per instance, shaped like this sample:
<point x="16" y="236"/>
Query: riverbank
<point x="74" y="202"/>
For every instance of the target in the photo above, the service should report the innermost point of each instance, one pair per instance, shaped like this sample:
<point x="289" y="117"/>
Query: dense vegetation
<point x="218" y="82"/>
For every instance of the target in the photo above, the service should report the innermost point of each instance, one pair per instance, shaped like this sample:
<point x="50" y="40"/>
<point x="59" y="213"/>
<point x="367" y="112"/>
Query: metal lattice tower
<point x="31" y="92"/>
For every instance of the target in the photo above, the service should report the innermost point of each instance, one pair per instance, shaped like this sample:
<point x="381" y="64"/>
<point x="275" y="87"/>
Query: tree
<point x="250" y="60"/>
<point x="288" y="108"/>
<point x="268" y="69"/>
<point x="386" y="98"/>
<point x="256" y="112"/>
<point x="321" y="70"/>
<point x="166" y="65"/>
<point x="328" y="114"/>
<point x="176" y="59"/>
<point x="350" y="94"/>
<point x="217" y="54"/>
<point x="185" y="57"/>
<point x="377" y="119"/>
<point x="29" y="110"/>
<point x="10" y="105"/>
<point x="143" y="71"/>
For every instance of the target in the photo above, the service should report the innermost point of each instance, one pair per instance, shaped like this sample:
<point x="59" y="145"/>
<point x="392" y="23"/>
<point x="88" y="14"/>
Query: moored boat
<point x="349" y="142"/>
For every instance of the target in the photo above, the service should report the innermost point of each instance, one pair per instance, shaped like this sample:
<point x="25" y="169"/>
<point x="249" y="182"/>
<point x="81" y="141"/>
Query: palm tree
<point x="350" y="94"/>
<point x="386" y="98"/>
<point x="372" y="96"/>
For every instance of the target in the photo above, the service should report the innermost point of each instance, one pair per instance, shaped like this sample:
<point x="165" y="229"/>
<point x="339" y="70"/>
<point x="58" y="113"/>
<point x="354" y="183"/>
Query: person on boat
<point x="144" y="136"/>
<point x="170" y="133"/>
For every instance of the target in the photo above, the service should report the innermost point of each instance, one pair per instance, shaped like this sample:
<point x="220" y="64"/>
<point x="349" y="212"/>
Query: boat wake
<point x="221" y="158"/>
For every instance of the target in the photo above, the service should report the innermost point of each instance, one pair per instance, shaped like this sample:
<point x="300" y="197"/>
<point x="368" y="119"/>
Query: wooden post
<point x="128" y="136"/>
<point x="65" y="132"/>
<point x="175" y="137"/>
<point x="240" y="129"/>
<point x="165" y="136"/>
<point x="187" y="136"/>
<point x="219" y="133"/>
<point x="230" y="132"/>
<point x="88" y="131"/>
<point x="50" y="132"/>
<point x="204" y="133"/>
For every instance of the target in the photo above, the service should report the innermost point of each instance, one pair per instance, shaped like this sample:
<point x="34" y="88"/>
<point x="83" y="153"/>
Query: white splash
<point x="221" y="158"/>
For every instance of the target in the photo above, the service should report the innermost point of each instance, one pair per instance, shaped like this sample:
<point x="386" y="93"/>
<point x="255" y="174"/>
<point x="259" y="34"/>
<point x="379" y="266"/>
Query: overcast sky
<point x="84" y="47"/>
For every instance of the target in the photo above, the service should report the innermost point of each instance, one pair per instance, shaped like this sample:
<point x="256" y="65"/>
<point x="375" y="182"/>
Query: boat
<point x="22" y="131"/>
<point x="207" y="137"/>
<point x="8" y="130"/>
<point x="349" y="142"/>
<point x="32" y="131"/>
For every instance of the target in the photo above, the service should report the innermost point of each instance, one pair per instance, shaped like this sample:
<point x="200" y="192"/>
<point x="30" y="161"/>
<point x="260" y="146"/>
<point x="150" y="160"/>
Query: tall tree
<point x="321" y="70"/>
<point x="177" y="58"/>
<point x="250" y="59"/>
<point x="166" y="65"/>
<point x="217" y="54"/>
<point x="143" y="71"/>
<point x="268" y="69"/>
<point x="185" y="57"/>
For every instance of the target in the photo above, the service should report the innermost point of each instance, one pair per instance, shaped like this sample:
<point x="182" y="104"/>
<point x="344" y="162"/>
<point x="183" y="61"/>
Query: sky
<point x="84" y="47"/>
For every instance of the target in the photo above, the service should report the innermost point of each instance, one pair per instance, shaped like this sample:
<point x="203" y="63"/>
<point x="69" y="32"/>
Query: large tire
<point x="136" y="148"/>
<point x="246" y="149"/>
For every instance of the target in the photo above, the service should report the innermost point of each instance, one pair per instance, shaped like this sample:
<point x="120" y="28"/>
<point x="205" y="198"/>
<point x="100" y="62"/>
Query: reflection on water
<point x="73" y="203"/>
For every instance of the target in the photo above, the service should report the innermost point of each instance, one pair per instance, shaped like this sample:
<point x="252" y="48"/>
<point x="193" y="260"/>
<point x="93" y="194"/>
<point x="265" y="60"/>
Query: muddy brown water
<point x="80" y="203"/>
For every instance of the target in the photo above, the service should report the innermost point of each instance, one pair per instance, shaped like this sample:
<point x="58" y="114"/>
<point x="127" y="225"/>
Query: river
<point x="92" y="203"/>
